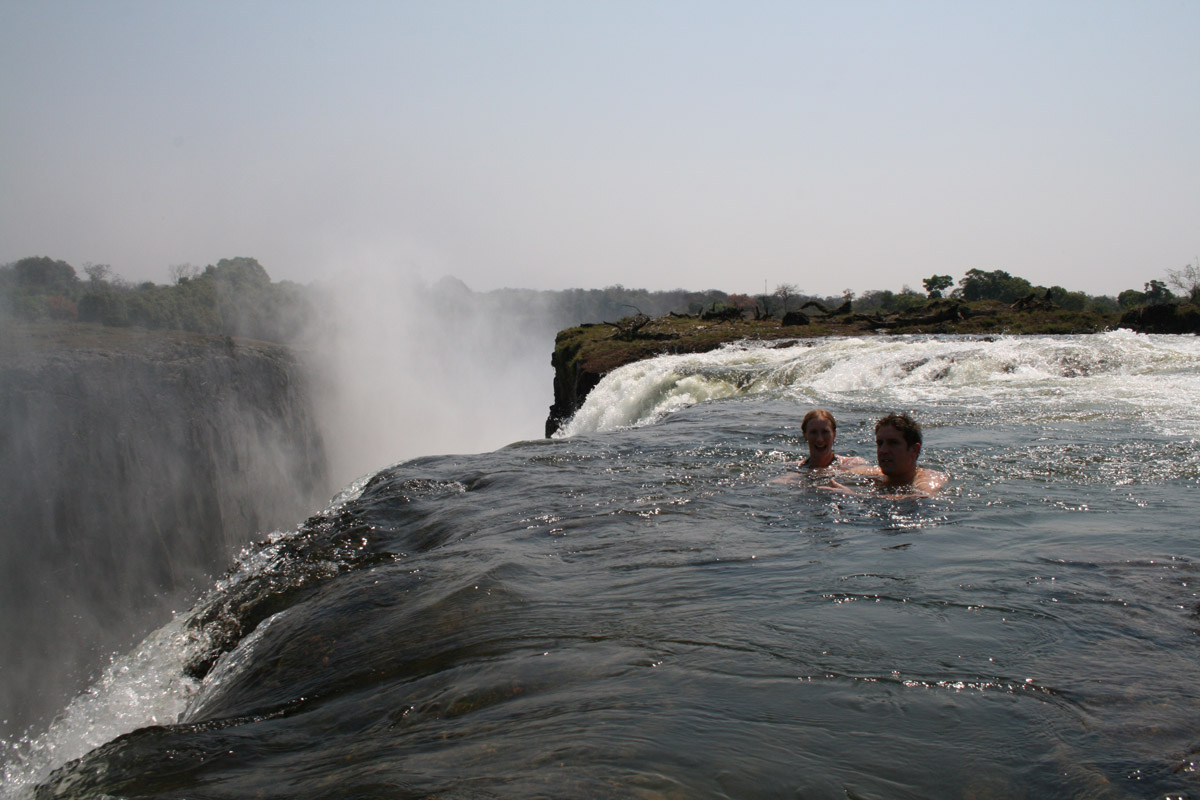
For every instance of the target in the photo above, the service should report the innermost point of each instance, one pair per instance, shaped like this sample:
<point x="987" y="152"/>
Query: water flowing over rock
<point x="658" y="602"/>
<point x="133" y="465"/>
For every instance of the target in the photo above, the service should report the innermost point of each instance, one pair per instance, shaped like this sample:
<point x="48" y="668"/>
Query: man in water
<point x="897" y="448"/>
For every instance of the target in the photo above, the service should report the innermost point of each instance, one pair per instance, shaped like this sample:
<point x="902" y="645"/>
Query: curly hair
<point x="908" y="427"/>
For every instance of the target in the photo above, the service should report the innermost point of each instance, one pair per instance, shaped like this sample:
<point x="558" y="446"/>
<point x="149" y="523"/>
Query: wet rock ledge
<point x="584" y="354"/>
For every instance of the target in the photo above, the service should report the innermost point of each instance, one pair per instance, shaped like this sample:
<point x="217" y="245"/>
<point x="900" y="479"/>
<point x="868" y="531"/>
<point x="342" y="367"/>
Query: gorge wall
<point x="133" y="467"/>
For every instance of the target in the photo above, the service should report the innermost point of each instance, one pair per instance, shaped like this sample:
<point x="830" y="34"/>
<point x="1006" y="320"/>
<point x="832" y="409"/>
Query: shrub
<point x="62" y="308"/>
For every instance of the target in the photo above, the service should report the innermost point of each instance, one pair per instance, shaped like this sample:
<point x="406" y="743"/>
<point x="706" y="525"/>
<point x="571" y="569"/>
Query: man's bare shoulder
<point x="927" y="483"/>
<point x="930" y="480"/>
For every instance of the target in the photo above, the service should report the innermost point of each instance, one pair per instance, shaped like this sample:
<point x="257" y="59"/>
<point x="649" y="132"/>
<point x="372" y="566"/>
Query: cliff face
<point x="573" y="379"/>
<point x="133" y="466"/>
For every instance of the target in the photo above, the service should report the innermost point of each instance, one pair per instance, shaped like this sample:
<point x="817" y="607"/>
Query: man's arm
<point x="926" y="483"/>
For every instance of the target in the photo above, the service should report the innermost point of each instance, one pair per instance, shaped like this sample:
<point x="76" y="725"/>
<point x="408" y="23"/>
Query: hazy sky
<point x="558" y="144"/>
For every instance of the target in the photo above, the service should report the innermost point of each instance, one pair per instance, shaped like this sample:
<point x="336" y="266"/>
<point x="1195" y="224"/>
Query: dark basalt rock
<point x="572" y="380"/>
<point x="1163" y="318"/>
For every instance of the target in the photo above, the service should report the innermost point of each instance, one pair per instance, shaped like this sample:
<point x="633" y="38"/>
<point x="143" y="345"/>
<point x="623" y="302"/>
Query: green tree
<point x="995" y="285"/>
<point x="885" y="300"/>
<point x="1071" y="301"/>
<point x="1131" y="298"/>
<point x="28" y="286"/>
<point x="97" y="273"/>
<point x="1158" y="293"/>
<point x="241" y="273"/>
<point x="241" y="287"/>
<point x="59" y="307"/>
<point x="935" y="284"/>
<point x="46" y="276"/>
<point x="103" y="304"/>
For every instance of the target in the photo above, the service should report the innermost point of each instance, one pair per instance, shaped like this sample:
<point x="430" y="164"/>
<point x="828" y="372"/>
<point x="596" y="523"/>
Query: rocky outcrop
<point x="937" y="313"/>
<point x="1163" y="318"/>
<point x="584" y="354"/>
<point x="133" y="466"/>
<point x="573" y="378"/>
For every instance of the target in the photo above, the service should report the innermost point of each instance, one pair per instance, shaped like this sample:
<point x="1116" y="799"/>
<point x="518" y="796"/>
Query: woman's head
<point x="820" y="430"/>
<point x="818" y="413"/>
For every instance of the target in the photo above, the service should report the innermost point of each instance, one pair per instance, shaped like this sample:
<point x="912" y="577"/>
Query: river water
<point x="634" y="609"/>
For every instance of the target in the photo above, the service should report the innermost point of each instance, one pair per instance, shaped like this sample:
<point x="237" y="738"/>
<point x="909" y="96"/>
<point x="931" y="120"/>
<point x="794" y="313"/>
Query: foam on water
<point x="148" y="686"/>
<point x="1122" y="373"/>
<point x="670" y="549"/>
<point x="144" y="687"/>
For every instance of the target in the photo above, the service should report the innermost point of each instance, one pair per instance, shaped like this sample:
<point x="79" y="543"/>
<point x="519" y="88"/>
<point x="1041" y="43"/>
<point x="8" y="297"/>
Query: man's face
<point x="896" y="458"/>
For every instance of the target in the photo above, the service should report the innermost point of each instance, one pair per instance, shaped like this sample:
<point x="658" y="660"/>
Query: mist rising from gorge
<point x="133" y="467"/>
<point x="403" y="369"/>
<point x="136" y="463"/>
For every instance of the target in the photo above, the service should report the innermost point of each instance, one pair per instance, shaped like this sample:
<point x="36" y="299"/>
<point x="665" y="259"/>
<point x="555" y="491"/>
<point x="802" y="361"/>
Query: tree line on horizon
<point x="236" y="297"/>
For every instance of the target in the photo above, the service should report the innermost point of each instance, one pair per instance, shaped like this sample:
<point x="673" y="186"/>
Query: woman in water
<point x="819" y="429"/>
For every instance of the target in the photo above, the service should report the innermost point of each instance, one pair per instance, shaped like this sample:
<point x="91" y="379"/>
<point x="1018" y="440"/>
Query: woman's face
<point x="819" y="434"/>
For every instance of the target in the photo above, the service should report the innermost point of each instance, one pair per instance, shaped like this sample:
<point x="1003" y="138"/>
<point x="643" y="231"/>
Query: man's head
<point x="907" y="426"/>
<point x="897" y="447"/>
